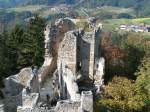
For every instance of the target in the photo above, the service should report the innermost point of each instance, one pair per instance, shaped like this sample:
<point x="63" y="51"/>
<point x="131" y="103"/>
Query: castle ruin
<point x="73" y="57"/>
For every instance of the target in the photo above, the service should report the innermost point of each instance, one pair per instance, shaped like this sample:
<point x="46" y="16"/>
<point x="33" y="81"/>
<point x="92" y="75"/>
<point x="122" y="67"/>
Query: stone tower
<point x="78" y="54"/>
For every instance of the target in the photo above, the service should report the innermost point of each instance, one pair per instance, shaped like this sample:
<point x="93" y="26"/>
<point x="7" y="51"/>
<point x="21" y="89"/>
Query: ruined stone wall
<point x="67" y="52"/>
<point x="88" y="54"/>
<point x="66" y="58"/>
<point x="67" y="62"/>
<point x="35" y="84"/>
<point x="1" y="106"/>
<point x="47" y="69"/>
<point x="87" y="101"/>
<point x="67" y="106"/>
<point x="49" y="64"/>
<point x="70" y="87"/>
<point x="29" y="100"/>
<point x="85" y="104"/>
<point x="97" y="36"/>
<point x="57" y="33"/>
<point x="14" y="93"/>
<point x="99" y="73"/>
<point x="12" y="86"/>
<point x="79" y="50"/>
<point x="90" y="43"/>
<point x="15" y="84"/>
<point x="34" y="110"/>
<point x="53" y="37"/>
<point x="11" y="103"/>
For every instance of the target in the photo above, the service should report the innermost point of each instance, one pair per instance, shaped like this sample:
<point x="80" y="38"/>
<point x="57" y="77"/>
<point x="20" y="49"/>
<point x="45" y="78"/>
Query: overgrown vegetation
<point x="84" y="24"/>
<point x="127" y="75"/>
<point x="121" y="95"/>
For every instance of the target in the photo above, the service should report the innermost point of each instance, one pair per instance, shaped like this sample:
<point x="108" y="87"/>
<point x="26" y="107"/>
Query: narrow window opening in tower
<point x="97" y="66"/>
<point x="79" y="66"/>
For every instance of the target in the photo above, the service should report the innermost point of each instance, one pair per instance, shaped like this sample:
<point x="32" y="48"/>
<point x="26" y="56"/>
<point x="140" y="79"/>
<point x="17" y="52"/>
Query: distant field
<point x="32" y="8"/>
<point x="113" y="11"/>
<point x="111" y="24"/>
<point x="141" y="20"/>
<point x="42" y="10"/>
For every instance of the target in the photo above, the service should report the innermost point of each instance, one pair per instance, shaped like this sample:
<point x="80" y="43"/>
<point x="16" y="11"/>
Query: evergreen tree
<point x="33" y="49"/>
<point x="15" y="44"/>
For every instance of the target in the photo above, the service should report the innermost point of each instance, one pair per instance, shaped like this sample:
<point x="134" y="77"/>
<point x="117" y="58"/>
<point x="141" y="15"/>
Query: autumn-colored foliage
<point x="121" y="96"/>
<point x="116" y="57"/>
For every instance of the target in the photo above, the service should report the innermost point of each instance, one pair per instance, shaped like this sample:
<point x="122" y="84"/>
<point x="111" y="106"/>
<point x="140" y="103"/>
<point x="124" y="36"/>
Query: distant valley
<point x="17" y="11"/>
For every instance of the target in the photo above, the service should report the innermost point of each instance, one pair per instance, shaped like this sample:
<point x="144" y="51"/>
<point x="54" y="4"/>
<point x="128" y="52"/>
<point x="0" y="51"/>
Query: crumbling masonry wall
<point x="67" y="52"/>
<point x="88" y="42"/>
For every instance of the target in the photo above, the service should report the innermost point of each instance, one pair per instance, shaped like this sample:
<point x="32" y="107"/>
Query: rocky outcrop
<point x="15" y="84"/>
<point x="18" y="86"/>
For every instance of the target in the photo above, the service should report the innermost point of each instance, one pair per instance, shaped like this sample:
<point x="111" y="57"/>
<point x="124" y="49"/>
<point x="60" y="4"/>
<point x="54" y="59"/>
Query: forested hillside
<point x="17" y="11"/>
<point x="14" y="3"/>
<point x="140" y="6"/>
